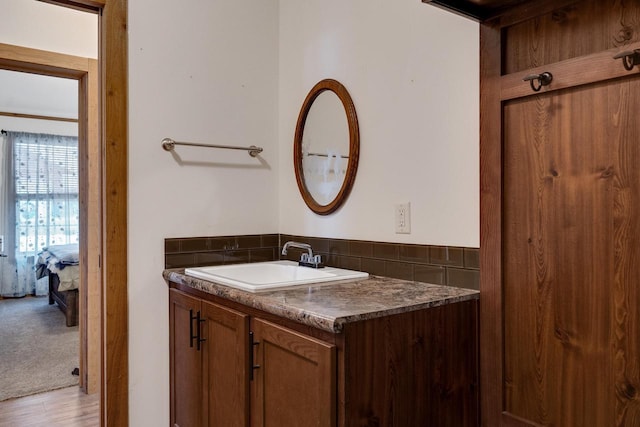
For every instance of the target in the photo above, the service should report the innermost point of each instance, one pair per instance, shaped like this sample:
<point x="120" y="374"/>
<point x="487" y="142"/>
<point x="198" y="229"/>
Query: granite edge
<point x="271" y="304"/>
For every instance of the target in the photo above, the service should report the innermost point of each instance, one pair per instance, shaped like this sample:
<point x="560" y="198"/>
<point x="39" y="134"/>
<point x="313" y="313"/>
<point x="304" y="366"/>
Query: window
<point x="46" y="188"/>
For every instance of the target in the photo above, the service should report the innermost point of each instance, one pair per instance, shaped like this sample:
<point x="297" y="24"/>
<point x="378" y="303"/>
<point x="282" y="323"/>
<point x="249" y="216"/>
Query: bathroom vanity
<point x="369" y="352"/>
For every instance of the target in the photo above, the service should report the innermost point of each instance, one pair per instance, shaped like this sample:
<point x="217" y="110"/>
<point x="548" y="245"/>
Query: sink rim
<point x="329" y="275"/>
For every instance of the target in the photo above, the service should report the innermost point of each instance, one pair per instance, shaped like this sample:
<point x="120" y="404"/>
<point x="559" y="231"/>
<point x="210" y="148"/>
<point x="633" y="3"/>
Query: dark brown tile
<point x="210" y="258"/>
<point x="330" y="260"/>
<point x="414" y="253"/>
<point x="285" y="238"/>
<point x="444" y="255"/>
<point x="471" y="257"/>
<point x="248" y="242"/>
<point x="293" y="254"/>
<point x="262" y="254"/>
<point x="399" y="270"/>
<point x="385" y="250"/>
<point x="270" y="240"/>
<point x="361" y="248"/>
<point x="235" y="257"/>
<point x="348" y="262"/>
<point x="319" y="244"/>
<point x="179" y="260"/>
<point x="171" y="246"/>
<point x="460" y="278"/>
<point x="339" y="247"/>
<point x="198" y="244"/>
<point x="291" y="238"/>
<point x="429" y="274"/>
<point x="373" y="266"/>
<point x="220" y="243"/>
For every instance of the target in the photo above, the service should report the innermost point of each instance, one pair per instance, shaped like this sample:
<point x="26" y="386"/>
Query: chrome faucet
<point x="292" y="244"/>
<point x="306" y="260"/>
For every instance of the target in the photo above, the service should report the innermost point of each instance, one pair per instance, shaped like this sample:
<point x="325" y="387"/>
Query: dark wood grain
<point x="413" y="369"/>
<point x="225" y="355"/>
<point x="185" y="362"/>
<point x="295" y="383"/>
<point x="624" y="133"/>
<point x="595" y="67"/>
<point x="417" y="368"/>
<point x="490" y="227"/>
<point x="557" y="216"/>
<point x="559" y="190"/>
<point x="571" y="219"/>
<point x="586" y="27"/>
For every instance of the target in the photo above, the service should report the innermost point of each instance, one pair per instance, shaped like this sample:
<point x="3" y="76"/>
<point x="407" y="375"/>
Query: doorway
<point x="84" y="72"/>
<point x="113" y="136"/>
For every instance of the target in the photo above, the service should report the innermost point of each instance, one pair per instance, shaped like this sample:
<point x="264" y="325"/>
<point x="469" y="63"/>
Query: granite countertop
<point x="329" y="306"/>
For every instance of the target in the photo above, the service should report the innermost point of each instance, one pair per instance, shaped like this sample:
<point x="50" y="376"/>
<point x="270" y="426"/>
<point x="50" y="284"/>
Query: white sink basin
<point x="268" y="276"/>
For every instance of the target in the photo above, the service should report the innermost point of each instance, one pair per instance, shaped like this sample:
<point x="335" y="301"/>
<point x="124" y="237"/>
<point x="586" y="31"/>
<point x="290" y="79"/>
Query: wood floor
<point x="67" y="407"/>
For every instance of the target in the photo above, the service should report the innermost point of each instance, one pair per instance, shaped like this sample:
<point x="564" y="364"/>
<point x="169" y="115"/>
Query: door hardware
<point x="630" y="58"/>
<point x="199" y="332"/>
<point x="542" y="79"/>
<point x="191" y="335"/>
<point x="252" y="344"/>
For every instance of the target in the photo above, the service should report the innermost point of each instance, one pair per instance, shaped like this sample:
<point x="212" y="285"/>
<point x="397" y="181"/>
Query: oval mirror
<point x="326" y="147"/>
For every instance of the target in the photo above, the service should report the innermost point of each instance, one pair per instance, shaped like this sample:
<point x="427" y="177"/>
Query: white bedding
<point x="62" y="260"/>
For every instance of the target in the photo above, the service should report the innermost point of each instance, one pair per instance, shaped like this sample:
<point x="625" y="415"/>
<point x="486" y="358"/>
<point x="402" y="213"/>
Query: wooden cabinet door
<point x="225" y="364"/>
<point x="295" y="383"/>
<point x="571" y="257"/>
<point x="185" y="362"/>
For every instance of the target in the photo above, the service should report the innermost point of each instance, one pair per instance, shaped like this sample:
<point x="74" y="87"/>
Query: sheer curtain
<point x="39" y="204"/>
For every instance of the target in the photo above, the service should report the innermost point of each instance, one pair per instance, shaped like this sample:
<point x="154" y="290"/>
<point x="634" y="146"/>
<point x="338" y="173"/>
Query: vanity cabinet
<point x="214" y="357"/>
<point x="209" y="355"/>
<point x="255" y="367"/>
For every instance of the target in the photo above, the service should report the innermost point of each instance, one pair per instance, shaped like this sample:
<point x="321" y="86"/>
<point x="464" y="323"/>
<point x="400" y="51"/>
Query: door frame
<point x="85" y="72"/>
<point x="113" y="113"/>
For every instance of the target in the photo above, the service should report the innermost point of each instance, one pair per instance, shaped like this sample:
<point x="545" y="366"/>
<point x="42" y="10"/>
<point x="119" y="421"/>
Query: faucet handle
<point x="311" y="261"/>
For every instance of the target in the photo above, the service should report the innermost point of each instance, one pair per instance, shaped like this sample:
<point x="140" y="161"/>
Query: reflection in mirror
<point x="326" y="147"/>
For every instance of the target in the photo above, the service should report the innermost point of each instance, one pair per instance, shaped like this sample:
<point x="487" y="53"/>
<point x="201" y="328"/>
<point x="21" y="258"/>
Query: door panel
<point x="571" y="256"/>
<point x="296" y="379"/>
<point x="225" y="363"/>
<point x="186" y="378"/>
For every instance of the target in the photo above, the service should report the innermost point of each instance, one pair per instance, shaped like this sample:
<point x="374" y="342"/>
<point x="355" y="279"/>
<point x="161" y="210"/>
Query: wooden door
<point x="295" y="384"/>
<point x="571" y="257"/>
<point x="185" y="361"/>
<point x="225" y="365"/>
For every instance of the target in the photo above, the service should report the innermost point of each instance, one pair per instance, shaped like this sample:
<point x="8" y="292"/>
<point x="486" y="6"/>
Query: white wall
<point x="236" y="73"/>
<point x="43" y="26"/>
<point x="203" y="73"/>
<point x="39" y="95"/>
<point x="47" y="27"/>
<point x="412" y="71"/>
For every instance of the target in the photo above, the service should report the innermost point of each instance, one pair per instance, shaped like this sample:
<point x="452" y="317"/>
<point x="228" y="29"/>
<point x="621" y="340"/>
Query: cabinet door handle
<point x="199" y="331"/>
<point x="252" y="344"/>
<point x="191" y="335"/>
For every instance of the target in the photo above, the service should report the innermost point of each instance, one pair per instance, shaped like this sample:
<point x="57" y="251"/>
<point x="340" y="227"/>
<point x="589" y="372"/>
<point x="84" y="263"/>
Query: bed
<point x="60" y="263"/>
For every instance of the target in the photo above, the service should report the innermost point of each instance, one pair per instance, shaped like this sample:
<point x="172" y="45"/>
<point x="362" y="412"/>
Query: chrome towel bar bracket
<point x="169" y="144"/>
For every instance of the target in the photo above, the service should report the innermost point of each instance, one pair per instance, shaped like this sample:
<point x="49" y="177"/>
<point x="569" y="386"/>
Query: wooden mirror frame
<point x="354" y="146"/>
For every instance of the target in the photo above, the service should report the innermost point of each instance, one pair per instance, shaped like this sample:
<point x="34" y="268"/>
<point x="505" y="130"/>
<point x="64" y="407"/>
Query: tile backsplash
<point x="443" y="265"/>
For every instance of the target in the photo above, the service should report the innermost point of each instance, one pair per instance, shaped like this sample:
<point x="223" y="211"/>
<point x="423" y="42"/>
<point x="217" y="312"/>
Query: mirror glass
<point x="326" y="147"/>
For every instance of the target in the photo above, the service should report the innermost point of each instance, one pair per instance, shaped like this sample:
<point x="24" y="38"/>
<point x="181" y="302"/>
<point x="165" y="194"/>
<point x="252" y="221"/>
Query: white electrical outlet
<point x="403" y="218"/>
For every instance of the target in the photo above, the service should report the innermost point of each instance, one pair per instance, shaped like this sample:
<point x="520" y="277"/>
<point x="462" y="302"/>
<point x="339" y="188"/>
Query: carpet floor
<point x="38" y="351"/>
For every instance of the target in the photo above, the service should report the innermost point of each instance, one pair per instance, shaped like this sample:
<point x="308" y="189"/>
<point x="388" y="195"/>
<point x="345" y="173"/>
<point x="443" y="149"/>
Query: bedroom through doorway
<point x="56" y="221"/>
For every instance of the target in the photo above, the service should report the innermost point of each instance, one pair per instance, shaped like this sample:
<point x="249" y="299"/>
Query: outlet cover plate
<point x="403" y="218"/>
